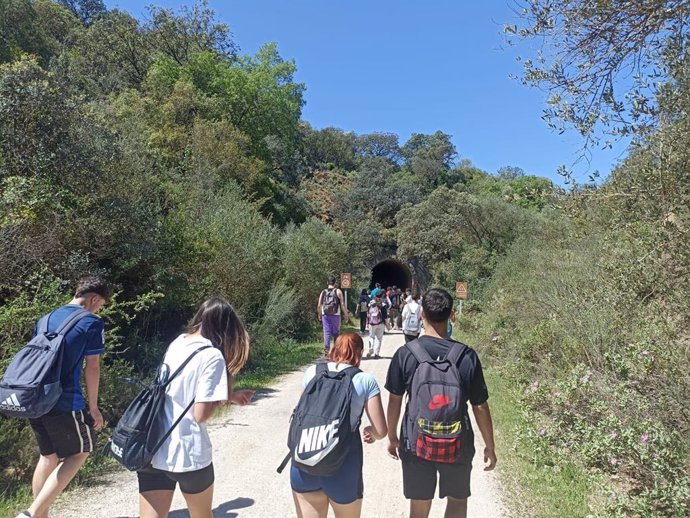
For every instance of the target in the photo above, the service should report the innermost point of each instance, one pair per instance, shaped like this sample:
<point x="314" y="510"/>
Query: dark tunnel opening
<point x="391" y="272"/>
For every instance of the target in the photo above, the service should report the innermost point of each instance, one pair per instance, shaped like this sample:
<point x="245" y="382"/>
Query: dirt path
<point x="249" y="443"/>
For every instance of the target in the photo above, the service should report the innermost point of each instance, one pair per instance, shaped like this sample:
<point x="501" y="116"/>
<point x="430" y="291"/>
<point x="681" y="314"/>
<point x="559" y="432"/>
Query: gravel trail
<point x="249" y="443"/>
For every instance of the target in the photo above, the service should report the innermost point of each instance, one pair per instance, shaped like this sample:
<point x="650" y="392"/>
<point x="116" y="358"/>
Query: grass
<point x="276" y="361"/>
<point x="532" y="487"/>
<point x="270" y="363"/>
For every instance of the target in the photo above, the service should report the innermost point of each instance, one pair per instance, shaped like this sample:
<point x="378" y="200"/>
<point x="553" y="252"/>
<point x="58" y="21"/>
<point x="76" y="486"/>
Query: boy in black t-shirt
<point x="419" y="475"/>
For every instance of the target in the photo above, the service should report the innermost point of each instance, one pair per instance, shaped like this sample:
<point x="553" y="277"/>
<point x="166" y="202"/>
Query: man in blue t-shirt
<point x="66" y="435"/>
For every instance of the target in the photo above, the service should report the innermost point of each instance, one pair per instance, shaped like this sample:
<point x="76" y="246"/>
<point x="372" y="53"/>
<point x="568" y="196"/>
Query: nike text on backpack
<point x="330" y="302"/>
<point x="436" y="415"/>
<point x="140" y="433"/>
<point x="31" y="385"/>
<point x="320" y="433"/>
<point x="375" y="316"/>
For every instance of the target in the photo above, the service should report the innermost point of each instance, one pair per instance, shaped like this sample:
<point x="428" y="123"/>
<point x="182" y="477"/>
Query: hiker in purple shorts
<point x="329" y="309"/>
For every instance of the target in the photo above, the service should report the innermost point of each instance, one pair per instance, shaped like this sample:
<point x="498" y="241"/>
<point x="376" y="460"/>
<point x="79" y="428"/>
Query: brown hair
<point x="348" y="349"/>
<point x="92" y="284"/>
<point x="218" y="322"/>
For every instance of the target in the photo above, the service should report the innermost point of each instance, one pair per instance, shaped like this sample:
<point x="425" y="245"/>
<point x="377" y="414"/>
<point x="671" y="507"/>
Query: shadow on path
<point x="224" y="510"/>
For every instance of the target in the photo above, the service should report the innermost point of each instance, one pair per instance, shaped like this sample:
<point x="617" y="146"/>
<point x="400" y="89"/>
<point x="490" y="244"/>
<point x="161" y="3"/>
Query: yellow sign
<point x="461" y="290"/>
<point x="346" y="281"/>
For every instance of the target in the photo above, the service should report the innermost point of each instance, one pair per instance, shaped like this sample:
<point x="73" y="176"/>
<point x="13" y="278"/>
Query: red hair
<point x="348" y="348"/>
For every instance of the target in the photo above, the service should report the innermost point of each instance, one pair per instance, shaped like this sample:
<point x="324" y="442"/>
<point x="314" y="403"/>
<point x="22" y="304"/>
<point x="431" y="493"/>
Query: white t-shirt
<point x="204" y="379"/>
<point x="412" y="309"/>
<point x="364" y="385"/>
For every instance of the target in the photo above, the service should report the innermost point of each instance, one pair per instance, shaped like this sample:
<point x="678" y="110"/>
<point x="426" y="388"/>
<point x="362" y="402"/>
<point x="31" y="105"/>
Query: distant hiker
<point x="65" y="434"/>
<point x="377" y="289"/>
<point x="394" y="312"/>
<point x="362" y="309"/>
<point x="218" y="344"/>
<point x="436" y="439"/>
<point x="330" y="308"/>
<point x="343" y="486"/>
<point x="411" y="319"/>
<point x="408" y="295"/>
<point x="376" y="323"/>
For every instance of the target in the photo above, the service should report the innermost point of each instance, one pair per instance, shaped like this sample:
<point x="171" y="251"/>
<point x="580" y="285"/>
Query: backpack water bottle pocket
<point x="438" y="442"/>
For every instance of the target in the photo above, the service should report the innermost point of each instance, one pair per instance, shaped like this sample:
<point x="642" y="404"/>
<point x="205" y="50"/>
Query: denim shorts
<point x="346" y="486"/>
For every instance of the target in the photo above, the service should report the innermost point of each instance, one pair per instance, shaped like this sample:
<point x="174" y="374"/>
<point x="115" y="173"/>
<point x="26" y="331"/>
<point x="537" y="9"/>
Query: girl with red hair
<point x="343" y="491"/>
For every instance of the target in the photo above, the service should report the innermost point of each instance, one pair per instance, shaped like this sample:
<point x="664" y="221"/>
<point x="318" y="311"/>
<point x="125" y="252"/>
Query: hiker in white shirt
<point x="185" y="457"/>
<point x="412" y="318"/>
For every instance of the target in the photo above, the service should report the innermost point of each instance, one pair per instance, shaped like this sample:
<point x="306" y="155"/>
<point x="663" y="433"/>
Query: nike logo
<point x="439" y="401"/>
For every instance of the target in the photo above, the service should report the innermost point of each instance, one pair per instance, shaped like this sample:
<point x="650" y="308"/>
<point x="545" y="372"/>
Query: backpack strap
<point x="321" y="369"/>
<point x="43" y="324"/>
<point x="456" y="351"/>
<point x="419" y="352"/>
<point x="184" y="364"/>
<point x="70" y="321"/>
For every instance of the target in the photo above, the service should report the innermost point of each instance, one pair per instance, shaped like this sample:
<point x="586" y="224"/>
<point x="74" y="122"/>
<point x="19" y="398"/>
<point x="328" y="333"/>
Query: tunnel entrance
<point x="391" y="272"/>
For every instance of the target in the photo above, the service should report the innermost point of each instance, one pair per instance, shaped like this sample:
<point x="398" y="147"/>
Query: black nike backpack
<point x="320" y="433"/>
<point x="140" y="432"/>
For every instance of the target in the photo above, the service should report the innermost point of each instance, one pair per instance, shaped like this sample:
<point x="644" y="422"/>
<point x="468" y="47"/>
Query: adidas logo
<point x="12" y="404"/>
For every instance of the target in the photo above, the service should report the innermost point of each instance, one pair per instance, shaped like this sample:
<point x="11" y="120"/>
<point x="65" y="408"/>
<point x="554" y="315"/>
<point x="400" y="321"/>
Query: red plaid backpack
<point x="436" y="415"/>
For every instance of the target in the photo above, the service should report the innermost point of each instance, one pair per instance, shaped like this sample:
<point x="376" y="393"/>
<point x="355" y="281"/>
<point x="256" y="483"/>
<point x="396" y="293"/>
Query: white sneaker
<point x="25" y="514"/>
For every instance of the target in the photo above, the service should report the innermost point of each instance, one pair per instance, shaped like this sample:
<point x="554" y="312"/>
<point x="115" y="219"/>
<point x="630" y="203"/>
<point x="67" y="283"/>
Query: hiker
<point x="436" y="437"/>
<point x="185" y="458"/>
<point x="386" y="304"/>
<point x="376" y="326"/>
<point x="376" y="290"/>
<point x="363" y="308"/>
<point x="66" y="434"/>
<point x="342" y="490"/>
<point x="330" y="308"/>
<point x="412" y="318"/>
<point x="394" y="312"/>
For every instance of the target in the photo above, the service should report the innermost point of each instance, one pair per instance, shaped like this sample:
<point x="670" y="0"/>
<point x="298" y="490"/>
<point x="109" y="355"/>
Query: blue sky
<point x="406" y="67"/>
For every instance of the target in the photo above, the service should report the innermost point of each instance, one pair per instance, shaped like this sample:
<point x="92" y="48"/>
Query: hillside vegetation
<point x="157" y="154"/>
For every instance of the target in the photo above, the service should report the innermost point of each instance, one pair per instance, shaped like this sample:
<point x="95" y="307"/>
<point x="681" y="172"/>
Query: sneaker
<point x="377" y="357"/>
<point x="24" y="514"/>
<point x="369" y="354"/>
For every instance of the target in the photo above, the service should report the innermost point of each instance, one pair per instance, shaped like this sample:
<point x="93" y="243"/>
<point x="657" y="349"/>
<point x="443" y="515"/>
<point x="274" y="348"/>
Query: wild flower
<point x="614" y="435"/>
<point x="541" y="433"/>
<point x="613" y="461"/>
<point x="644" y="437"/>
<point x="586" y="377"/>
<point x="534" y="386"/>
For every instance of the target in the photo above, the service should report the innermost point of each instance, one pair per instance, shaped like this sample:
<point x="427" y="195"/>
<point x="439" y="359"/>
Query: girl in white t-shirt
<point x="185" y="457"/>
<point x="343" y="491"/>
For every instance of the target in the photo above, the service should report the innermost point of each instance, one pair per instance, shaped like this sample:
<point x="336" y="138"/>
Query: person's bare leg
<point x="155" y="504"/>
<point x="456" y="508"/>
<point x="45" y="466"/>
<point x="353" y="510"/>
<point x="55" y="483"/>
<point x="420" y="508"/>
<point x="311" y="505"/>
<point x="200" y="505"/>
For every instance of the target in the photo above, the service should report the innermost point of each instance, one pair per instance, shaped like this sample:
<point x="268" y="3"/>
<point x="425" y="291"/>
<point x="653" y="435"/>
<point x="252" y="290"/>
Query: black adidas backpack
<point x="139" y="432"/>
<point x="320" y="434"/>
<point x="31" y="385"/>
<point x="436" y="419"/>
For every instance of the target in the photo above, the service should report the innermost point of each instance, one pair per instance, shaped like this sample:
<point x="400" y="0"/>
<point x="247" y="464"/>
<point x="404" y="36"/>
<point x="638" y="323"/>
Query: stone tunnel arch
<point x="391" y="272"/>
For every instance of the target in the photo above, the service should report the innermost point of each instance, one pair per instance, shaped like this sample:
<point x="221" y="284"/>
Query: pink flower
<point x="613" y="461"/>
<point x="534" y="386"/>
<point x="586" y="377"/>
<point x="644" y="437"/>
<point x="541" y="433"/>
<point x="614" y="435"/>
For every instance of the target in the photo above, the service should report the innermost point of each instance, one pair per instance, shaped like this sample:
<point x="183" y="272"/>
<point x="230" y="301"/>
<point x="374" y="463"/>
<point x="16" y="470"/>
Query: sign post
<point x="461" y="295"/>
<point x="346" y="284"/>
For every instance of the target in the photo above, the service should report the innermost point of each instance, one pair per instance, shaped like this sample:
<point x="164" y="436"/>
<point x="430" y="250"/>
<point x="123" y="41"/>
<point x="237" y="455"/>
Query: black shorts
<point x="191" y="482"/>
<point x="64" y="433"/>
<point x="419" y="478"/>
